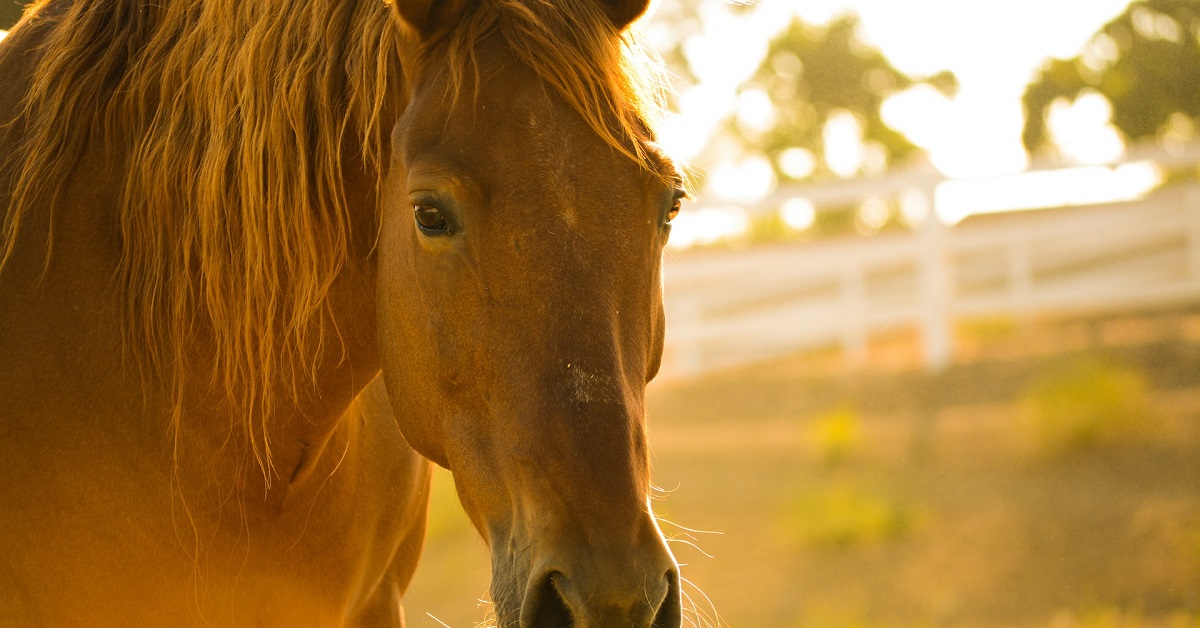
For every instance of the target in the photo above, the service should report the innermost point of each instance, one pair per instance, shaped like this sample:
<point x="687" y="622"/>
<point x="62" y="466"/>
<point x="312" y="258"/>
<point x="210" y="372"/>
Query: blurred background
<point x="933" y="353"/>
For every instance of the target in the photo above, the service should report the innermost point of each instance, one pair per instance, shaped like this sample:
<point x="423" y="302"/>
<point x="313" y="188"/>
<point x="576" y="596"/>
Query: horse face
<point x="520" y="319"/>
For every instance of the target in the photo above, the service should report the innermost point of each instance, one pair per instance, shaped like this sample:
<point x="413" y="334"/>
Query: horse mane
<point x="235" y="117"/>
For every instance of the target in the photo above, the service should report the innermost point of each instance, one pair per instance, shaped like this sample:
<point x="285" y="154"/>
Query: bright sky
<point x="993" y="47"/>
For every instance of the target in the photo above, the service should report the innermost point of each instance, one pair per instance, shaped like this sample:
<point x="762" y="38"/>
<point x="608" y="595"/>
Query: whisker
<point x="490" y="619"/>
<point x="691" y="545"/>
<point x="691" y="612"/>
<point x="715" y="620"/>
<point x="687" y="529"/>
<point x="430" y="615"/>
<point x="696" y="616"/>
<point x="657" y="489"/>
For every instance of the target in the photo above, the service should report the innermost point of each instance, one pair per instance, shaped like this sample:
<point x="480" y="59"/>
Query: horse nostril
<point x="553" y="602"/>
<point x="670" y="612"/>
<point x="547" y="608"/>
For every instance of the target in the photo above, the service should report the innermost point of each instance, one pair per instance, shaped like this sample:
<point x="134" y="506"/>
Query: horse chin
<point x="509" y="581"/>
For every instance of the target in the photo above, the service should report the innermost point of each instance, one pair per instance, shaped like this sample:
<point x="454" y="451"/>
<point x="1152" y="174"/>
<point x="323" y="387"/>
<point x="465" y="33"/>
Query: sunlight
<point x="748" y="181"/>
<point x="1083" y="129"/>
<point x="1099" y="54"/>
<point x="949" y="129"/>
<point x="872" y="215"/>
<point x="1179" y="131"/>
<point x="1154" y="25"/>
<point x="701" y="107"/>
<point x="755" y="112"/>
<point x="994" y="51"/>
<point x="972" y="136"/>
<point x="914" y="207"/>
<point x="843" y="141"/>
<point x="956" y="199"/>
<point x="723" y="55"/>
<point x="799" y="214"/>
<point x="920" y="113"/>
<point x="797" y="163"/>
<point x="707" y="226"/>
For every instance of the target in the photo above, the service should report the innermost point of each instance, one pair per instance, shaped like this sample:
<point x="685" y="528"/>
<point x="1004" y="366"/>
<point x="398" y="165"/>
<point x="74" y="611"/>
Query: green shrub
<point x="843" y="517"/>
<point x="1087" y="404"/>
<point x="837" y="436"/>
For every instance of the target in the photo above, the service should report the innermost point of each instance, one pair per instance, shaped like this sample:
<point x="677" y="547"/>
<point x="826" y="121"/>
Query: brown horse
<point x="223" y="219"/>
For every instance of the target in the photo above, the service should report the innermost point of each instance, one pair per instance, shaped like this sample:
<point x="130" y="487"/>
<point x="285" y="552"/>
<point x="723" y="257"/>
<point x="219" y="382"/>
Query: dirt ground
<point x="1051" y="477"/>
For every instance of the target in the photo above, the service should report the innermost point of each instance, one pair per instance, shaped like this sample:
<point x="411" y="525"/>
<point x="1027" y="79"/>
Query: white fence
<point x="728" y="308"/>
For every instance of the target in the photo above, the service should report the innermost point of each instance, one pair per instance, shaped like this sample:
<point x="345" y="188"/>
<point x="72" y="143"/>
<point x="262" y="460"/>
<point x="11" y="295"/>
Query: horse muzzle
<point x="611" y="594"/>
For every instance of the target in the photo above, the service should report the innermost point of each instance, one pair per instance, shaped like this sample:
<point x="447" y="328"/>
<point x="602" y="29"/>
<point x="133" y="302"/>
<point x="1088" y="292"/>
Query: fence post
<point x="937" y="332"/>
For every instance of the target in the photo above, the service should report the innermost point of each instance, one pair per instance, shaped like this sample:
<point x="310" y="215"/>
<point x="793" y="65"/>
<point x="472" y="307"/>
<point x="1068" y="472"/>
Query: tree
<point x="813" y="76"/>
<point x="1146" y="62"/>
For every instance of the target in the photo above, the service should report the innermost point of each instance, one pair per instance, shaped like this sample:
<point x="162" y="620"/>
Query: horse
<point x="263" y="264"/>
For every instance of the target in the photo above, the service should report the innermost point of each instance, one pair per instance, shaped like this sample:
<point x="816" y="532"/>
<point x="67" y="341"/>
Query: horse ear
<point x="428" y="17"/>
<point x="623" y="12"/>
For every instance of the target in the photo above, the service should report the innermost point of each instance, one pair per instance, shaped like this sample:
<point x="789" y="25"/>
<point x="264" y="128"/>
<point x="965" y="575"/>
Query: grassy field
<point x="1051" y="478"/>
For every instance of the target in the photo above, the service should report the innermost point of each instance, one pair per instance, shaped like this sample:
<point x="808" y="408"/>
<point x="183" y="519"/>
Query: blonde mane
<point x="235" y="117"/>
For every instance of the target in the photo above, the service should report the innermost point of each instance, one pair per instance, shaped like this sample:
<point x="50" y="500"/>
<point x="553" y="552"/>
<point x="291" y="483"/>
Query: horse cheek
<point x="406" y="370"/>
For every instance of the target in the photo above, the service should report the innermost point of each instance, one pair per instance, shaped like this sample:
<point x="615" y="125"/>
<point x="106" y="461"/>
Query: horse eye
<point x="676" y="205"/>
<point x="430" y="220"/>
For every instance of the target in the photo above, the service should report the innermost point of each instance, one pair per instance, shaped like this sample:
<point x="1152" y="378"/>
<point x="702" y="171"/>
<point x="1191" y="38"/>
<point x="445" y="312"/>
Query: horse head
<point x="520" y="304"/>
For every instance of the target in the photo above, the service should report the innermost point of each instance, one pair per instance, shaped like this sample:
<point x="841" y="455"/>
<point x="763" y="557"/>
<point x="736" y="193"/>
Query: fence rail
<point x="728" y="308"/>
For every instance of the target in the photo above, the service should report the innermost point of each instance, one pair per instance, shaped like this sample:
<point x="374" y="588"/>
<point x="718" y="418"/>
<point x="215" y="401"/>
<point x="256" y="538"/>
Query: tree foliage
<point x="812" y="73"/>
<point x="1146" y="62"/>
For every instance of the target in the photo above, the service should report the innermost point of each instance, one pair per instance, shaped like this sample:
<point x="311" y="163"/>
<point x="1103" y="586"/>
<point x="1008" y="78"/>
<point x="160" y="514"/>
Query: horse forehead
<point x="552" y="145"/>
